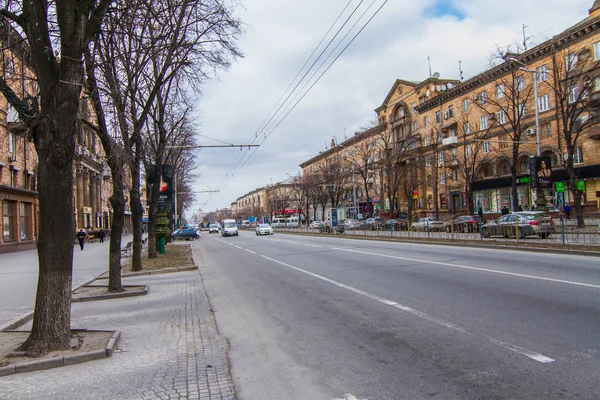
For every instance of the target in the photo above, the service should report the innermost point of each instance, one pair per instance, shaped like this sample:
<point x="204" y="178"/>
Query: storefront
<point x="19" y="219"/>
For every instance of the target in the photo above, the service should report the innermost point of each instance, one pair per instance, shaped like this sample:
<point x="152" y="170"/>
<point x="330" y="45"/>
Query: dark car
<point x="520" y="224"/>
<point x="326" y="227"/>
<point x="372" y="224"/>
<point x="185" y="234"/>
<point x="395" y="225"/>
<point x="464" y="223"/>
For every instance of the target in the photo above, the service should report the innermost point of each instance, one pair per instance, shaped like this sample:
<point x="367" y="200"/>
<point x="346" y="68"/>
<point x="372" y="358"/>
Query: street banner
<point x="540" y="172"/>
<point x="165" y="192"/>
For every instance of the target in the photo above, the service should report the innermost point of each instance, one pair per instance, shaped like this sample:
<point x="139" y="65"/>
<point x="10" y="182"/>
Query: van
<point x="229" y="228"/>
<point x="292" y="222"/>
<point x="245" y="224"/>
<point x="278" y="223"/>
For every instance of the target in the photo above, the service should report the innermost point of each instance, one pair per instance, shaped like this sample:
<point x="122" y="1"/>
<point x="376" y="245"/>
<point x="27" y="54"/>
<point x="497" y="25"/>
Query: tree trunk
<point x="136" y="213"/>
<point x="577" y="195"/>
<point x="117" y="200"/>
<point x="513" y="175"/>
<point x="55" y="146"/>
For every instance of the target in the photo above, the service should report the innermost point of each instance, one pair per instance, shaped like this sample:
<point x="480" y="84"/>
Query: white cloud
<point x="280" y="35"/>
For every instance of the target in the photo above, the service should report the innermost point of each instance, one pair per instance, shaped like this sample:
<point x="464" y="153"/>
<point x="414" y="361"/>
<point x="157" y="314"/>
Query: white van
<point x="229" y="228"/>
<point x="278" y="223"/>
<point x="292" y="222"/>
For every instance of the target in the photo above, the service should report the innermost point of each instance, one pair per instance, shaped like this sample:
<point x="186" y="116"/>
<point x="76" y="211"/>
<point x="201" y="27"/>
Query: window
<point x="12" y="143"/>
<point x="454" y="155"/>
<point x="428" y="162"/>
<point x="570" y="61"/>
<point x="578" y="156"/>
<point x="524" y="164"/>
<point x="597" y="51"/>
<point x="450" y="111"/>
<point x="465" y="104"/>
<point x="452" y="132"/>
<point x="500" y="91"/>
<point x="7" y="221"/>
<point x="573" y="93"/>
<point x="502" y="142"/>
<point x="455" y="175"/>
<point x="443" y="179"/>
<point x="520" y="82"/>
<point x="541" y="73"/>
<point x="483" y="122"/>
<point x="427" y="140"/>
<point x="440" y="158"/>
<point x="468" y="150"/>
<point x="438" y="117"/>
<point x="596" y="84"/>
<point x="544" y="103"/>
<point x="482" y="97"/>
<point x="485" y="148"/>
<point x="425" y="121"/>
<point x="546" y="131"/>
<point x="429" y="180"/>
<point x="440" y="136"/>
<point x="413" y="107"/>
<point x="521" y="110"/>
<point x="415" y="126"/>
<point x="24" y="220"/>
<point x="13" y="178"/>
<point x="501" y="117"/>
<point x="467" y="128"/>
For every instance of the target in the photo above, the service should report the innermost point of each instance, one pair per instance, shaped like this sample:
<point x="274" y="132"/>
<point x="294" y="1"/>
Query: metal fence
<point x="565" y="232"/>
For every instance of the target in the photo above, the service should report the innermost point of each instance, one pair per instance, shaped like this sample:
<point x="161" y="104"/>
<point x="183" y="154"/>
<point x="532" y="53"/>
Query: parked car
<point x="520" y="224"/>
<point x="264" y="229"/>
<point x="464" y="223"/>
<point x="395" y="225"/>
<point x="278" y="223"/>
<point x="213" y="228"/>
<point x="327" y="227"/>
<point x="185" y="234"/>
<point x="351" y="224"/>
<point x="372" y="223"/>
<point x="315" y="224"/>
<point x="428" y="224"/>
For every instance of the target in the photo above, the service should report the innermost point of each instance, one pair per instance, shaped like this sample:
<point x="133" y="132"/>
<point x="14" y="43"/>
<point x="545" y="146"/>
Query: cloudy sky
<point x="279" y="37"/>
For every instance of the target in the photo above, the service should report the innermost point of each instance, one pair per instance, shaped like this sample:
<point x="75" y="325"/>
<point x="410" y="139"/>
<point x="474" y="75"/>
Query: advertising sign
<point x="165" y="193"/>
<point x="540" y="172"/>
<point x="334" y="217"/>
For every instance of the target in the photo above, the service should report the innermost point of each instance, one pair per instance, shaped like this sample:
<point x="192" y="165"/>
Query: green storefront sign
<point x="581" y="185"/>
<point x="524" y="179"/>
<point x="560" y="187"/>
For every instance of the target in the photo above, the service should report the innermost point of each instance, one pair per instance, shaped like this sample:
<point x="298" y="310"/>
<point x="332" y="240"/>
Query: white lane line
<point x="312" y="245"/>
<point x="239" y="247"/>
<point x="517" y="349"/>
<point x="250" y="251"/>
<point x="231" y="244"/>
<point x="541" y="278"/>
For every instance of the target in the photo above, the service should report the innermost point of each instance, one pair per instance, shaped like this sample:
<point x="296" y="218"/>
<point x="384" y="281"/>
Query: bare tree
<point x="574" y="75"/>
<point x="57" y="34"/>
<point x="334" y="175"/>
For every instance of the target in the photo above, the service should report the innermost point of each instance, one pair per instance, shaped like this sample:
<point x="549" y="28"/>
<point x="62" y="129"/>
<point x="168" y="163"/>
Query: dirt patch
<point x="98" y="292"/>
<point x="81" y="342"/>
<point x="178" y="255"/>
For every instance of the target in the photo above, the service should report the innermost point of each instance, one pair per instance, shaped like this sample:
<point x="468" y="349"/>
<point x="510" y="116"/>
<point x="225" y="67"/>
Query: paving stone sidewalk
<point x="169" y="349"/>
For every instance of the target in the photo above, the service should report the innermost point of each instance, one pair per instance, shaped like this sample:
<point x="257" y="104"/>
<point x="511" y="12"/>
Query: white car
<point x="264" y="229"/>
<point x="213" y="228"/>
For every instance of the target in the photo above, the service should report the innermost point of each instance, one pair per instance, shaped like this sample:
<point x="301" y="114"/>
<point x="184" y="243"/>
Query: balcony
<point x="450" y="141"/>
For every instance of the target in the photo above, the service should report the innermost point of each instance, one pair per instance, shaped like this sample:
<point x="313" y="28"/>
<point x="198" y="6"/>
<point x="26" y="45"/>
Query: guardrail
<point x="566" y="232"/>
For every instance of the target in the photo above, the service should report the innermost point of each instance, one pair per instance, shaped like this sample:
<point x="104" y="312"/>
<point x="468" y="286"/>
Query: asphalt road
<point x="331" y="318"/>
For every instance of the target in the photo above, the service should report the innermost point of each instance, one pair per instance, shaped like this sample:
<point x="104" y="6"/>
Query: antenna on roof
<point x="429" y="62"/>
<point x="460" y="71"/>
<point x="436" y="75"/>
<point x="525" y="37"/>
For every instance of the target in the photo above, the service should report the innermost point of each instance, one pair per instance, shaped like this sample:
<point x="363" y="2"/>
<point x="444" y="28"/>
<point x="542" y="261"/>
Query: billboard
<point x="540" y="171"/>
<point x="165" y="192"/>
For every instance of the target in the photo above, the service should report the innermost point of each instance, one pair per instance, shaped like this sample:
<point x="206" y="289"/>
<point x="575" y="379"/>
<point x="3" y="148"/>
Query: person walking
<point x="567" y="210"/>
<point x="81" y="238"/>
<point x="101" y="235"/>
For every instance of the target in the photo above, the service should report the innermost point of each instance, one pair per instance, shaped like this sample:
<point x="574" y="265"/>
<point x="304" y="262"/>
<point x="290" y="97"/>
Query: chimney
<point x="595" y="10"/>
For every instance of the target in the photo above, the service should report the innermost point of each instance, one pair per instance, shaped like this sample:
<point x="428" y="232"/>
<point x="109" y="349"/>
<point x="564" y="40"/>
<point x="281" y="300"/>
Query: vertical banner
<point x="165" y="192"/>
<point x="540" y="172"/>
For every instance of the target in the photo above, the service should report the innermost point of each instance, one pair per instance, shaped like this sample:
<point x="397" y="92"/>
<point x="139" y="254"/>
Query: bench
<point x="126" y="251"/>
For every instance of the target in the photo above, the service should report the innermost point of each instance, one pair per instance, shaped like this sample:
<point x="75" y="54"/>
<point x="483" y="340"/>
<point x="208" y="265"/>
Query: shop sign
<point x="560" y="187"/>
<point x="87" y="210"/>
<point x="524" y="179"/>
<point x="6" y="196"/>
<point x="581" y="185"/>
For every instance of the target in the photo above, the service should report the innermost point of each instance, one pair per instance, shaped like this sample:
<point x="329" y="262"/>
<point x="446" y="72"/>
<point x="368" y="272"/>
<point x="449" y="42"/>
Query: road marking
<point x="517" y="349"/>
<point x="239" y="247"/>
<point x="312" y="245"/>
<point x="472" y="268"/>
<point x="231" y="244"/>
<point x="347" y="396"/>
<point x="250" y="251"/>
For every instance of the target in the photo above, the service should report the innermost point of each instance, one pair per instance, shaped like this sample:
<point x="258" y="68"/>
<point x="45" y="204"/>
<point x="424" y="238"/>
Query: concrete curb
<point x="66" y="360"/>
<point x="152" y="272"/>
<point x="470" y="244"/>
<point x="24" y="318"/>
<point x="112" y="295"/>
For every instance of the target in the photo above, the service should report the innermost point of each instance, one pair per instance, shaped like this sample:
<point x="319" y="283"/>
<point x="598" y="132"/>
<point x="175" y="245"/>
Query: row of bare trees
<point x="140" y="64"/>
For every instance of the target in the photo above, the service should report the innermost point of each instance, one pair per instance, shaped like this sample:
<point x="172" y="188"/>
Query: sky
<point x="280" y="35"/>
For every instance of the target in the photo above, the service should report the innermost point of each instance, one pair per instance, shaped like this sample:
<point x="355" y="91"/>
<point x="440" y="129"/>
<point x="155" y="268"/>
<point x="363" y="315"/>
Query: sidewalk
<point x="169" y="349"/>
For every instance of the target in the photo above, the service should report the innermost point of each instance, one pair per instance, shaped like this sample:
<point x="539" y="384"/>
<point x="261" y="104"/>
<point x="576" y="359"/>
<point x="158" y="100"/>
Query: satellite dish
<point x="436" y="75"/>
<point x="438" y="88"/>
<point x="444" y="87"/>
<point x="432" y="88"/>
<point x="450" y="85"/>
<point x="427" y="93"/>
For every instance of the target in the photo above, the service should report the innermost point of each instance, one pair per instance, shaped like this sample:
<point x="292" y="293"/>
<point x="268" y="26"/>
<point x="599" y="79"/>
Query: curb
<point x="66" y="360"/>
<point x="112" y="295"/>
<point x="552" y="250"/>
<point x="22" y="319"/>
<point x="152" y="272"/>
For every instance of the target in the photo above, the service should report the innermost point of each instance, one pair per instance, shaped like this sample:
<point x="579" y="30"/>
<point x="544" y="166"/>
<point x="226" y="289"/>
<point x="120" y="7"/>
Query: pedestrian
<point x="101" y="235"/>
<point x="81" y="238"/>
<point x="567" y="210"/>
<point x="505" y="210"/>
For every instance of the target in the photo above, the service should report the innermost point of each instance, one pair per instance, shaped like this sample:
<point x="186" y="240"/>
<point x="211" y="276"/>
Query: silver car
<point x="264" y="229"/>
<point x="520" y="224"/>
<point x="428" y="224"/>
